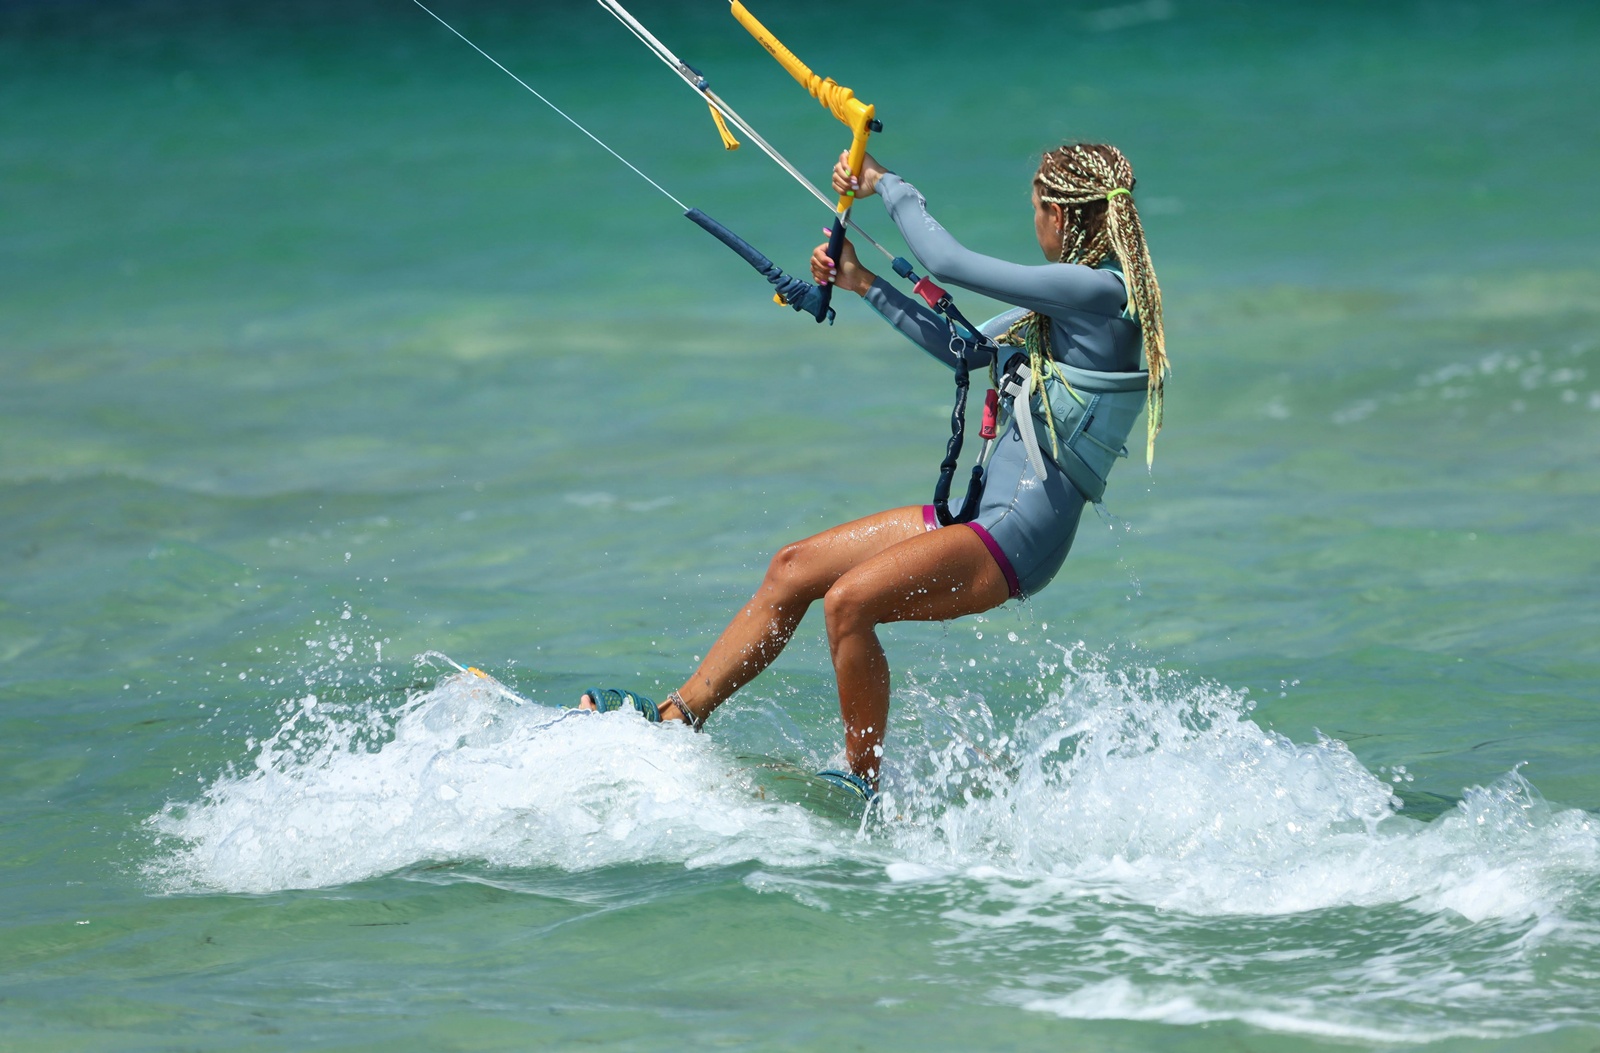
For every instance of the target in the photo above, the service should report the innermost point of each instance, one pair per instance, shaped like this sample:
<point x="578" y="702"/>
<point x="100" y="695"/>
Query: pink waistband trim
<point x="930" y="518"/>
<point x="999" y="557"/>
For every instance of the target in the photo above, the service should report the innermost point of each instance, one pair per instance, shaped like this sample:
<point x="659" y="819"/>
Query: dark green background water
<point x="324" y="345"/>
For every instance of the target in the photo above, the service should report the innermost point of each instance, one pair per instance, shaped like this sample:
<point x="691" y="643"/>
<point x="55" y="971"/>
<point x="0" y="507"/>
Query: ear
<point x="1057" y="214"/>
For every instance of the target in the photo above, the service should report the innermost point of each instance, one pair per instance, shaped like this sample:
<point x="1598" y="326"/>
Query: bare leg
<point x="934" y="576"/>
<point x="800" y="574"/>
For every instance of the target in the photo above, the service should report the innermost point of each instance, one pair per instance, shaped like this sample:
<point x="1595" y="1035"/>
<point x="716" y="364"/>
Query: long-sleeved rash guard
<point x="1087" y="306"/>
<point x="1027" y="521"/>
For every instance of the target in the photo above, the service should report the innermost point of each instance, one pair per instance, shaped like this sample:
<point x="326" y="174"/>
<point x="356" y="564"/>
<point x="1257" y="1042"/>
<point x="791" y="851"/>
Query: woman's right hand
<point x="864" y="185"/>
<point x="848" y="275"/>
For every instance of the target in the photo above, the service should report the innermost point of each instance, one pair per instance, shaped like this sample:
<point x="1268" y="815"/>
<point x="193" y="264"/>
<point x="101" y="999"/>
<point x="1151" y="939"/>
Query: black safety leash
<point x="939" y="300"/>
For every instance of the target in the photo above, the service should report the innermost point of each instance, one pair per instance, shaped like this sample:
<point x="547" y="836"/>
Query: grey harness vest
<point x="1094" y="414"/>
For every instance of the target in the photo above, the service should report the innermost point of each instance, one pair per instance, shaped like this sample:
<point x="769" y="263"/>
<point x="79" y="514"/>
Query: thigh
<point x="933" y="576"/>
<point x="822" y="559"/>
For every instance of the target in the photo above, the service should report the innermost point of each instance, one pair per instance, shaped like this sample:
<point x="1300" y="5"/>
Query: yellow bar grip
<point x="839" y="100"/>
<point x="797" y="69"/>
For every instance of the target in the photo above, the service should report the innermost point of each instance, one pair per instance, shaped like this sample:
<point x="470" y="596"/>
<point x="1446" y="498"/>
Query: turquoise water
<point x="325" y="347"/>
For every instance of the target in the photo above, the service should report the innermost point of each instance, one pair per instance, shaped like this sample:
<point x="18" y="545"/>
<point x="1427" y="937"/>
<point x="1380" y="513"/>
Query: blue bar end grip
<point x="796" y="292"/>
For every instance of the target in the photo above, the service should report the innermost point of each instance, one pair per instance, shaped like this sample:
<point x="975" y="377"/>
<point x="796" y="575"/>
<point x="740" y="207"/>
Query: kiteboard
<point x="775" y="779"/>
<point x="472" y="676"/>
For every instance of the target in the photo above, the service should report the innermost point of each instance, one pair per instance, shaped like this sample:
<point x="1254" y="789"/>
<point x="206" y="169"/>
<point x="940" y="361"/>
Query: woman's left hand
<point x="846" y="273"/>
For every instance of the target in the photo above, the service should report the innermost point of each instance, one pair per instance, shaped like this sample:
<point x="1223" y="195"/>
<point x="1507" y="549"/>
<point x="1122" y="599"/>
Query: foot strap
<point x="608" y="699"/>
<point x="848" y="780"/>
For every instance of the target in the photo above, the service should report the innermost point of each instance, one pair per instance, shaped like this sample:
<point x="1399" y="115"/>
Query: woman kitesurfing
<point x="1082" y="324"/>
<point x="1073" y="364"/>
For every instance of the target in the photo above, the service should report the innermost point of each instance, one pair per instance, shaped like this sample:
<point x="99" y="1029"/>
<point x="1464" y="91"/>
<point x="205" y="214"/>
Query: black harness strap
<point x="940" y="301"/>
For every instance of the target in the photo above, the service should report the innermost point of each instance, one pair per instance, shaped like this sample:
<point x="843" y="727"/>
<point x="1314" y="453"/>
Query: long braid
<point x="1093" y="183"/>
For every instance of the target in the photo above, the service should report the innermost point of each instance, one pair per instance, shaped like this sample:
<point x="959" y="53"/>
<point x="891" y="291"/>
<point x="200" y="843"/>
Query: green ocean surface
<point x="326" y="346"/>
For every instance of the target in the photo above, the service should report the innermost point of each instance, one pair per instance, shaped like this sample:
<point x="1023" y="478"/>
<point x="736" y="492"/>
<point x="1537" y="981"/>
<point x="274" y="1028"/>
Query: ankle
<point x="685" y="714"/>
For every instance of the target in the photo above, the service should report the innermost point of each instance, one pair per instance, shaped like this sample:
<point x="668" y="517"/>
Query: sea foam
<point x="337" y="795"/>
<point x="1137" y="837"/>
<point x="1135" y="783"/>
<point x="1166" y="792"/>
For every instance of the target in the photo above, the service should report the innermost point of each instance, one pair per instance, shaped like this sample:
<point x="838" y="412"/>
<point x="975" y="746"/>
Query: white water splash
<point x="1135" y="784"/>
<point x="464" y="775"/>
<point x="1138" y="848"/>
<point x="1133" y="846"/>
<point x="1166" y="793"/>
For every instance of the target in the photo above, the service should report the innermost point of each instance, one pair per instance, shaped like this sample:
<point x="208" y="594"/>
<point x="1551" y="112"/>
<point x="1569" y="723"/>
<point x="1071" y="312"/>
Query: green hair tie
<point x="1119" y="190"/>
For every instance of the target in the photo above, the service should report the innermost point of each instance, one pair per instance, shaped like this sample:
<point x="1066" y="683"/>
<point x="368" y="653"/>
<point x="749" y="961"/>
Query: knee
<point x="791" y="572"/>
<point x="848" y="608"/>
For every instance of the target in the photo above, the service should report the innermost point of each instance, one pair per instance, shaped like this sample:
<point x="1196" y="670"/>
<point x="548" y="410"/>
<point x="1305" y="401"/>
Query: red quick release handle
<point x="930" y="292"/>
<point x="991" y="406"/>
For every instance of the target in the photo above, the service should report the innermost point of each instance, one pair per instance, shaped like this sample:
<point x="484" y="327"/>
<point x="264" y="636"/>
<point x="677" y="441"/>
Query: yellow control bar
<point x="841" y="101"/>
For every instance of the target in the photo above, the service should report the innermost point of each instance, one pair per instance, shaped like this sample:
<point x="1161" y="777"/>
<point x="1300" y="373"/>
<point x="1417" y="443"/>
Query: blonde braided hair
<point x="1093" y="183"/>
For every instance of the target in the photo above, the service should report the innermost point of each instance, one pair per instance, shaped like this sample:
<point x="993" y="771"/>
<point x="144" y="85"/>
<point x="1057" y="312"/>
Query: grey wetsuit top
<point x="1087" y="306"/>
<point x="1027" y="523"/>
